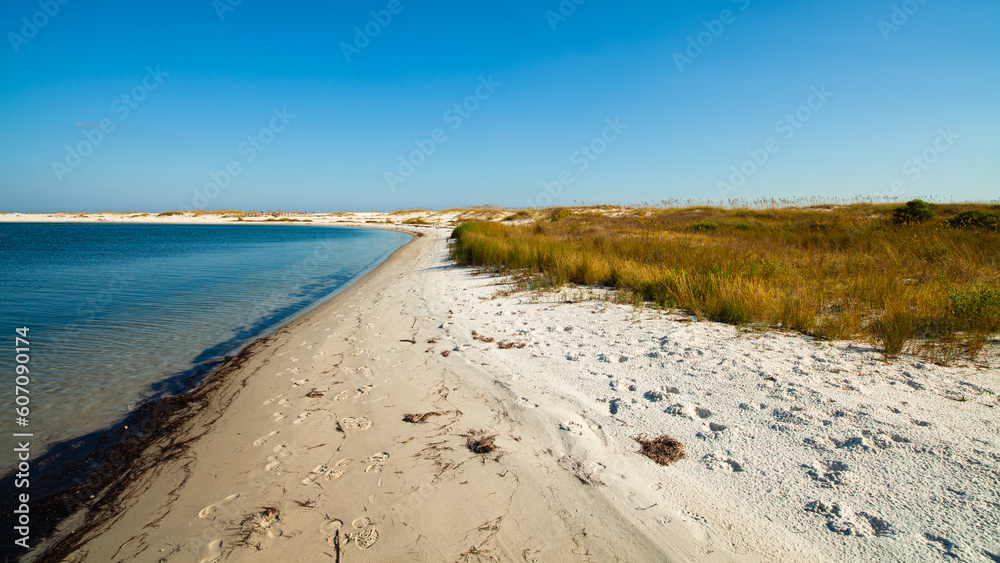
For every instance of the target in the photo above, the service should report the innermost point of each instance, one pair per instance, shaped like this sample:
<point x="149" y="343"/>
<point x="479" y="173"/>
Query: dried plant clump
<point x="480" y="443"/>
<point x="505" y="345"/>
<point x="664" y="450"/>
<point x="314" y="394"/>
<point x="482" y="338"/>
<point x="420" y="418"/>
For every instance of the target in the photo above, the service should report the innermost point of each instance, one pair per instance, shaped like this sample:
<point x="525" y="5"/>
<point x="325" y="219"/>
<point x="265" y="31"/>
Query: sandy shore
<point x="796" y="450"/>
<point x="311" y="452"/>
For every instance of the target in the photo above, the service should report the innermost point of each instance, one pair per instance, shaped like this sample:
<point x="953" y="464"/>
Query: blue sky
<point x="708" y="100"/>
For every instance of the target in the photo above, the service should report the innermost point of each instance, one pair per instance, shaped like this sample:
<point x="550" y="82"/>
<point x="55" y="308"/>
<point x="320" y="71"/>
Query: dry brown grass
<point x="663" y="450"/>
<point x="833" y="272"/>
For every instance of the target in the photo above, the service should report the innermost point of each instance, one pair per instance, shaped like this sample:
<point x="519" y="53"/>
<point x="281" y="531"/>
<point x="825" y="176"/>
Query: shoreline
<point x="92" y="463"/>
<point x="240" y="474"/>
<point x="797" y="450"/>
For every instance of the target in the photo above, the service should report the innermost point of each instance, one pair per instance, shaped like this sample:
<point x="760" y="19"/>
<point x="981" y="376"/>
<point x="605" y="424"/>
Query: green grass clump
<point x="169" y="213"/>
<point x="521" y="214"/>
<point x="842" y="272"/>
<point x="559" y="213"/>
<point x="705" y="226"/>
<point x="416" y="221"/>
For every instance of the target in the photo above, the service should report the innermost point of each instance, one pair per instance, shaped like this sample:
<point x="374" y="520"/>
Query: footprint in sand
<point x="263" y="439"/>
<point x="211" y="552"/>
<point x="360" y="423"/>
<point x="376" y="462"/>
<point x="278" y="417"/>
<point x="366" y="538"/>
<point x="300" y="382"/>
<point x="302" y="417"/>
<point x="343" y="396"/>
<point x="337" y="472"/>
<point x="361" y="523"/>
<point x="314" y="474"/>
<point x="210" y="509"/>
<point x="272" y="463"/>
<point x="363" y="370"/>
<point x="361" y="351"/>
<point x="365" y="390"/>
<point x="284" y="402"/>
<point x="272" y="399"/>
<point x="330" y="527"/>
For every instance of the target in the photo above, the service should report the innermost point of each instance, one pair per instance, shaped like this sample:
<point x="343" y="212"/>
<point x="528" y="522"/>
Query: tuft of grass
<point x="559" y="213"/>
<point x="169" y="213"/>
<point x="893" y="330"/>
<point x="521" y="214"/>
<point x="841" y="272"/>
<point x="416" y="221"/>
<point x="664" y="450"/>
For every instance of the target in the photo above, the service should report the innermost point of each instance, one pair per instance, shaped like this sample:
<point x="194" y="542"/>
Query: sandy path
<point x="310" y="455"/>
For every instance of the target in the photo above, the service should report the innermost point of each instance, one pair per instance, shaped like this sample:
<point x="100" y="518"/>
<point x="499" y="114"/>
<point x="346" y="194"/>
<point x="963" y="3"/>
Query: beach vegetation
<point x="416" y="221"/>
<point x="976" y="219"/>
<point x="833" y="272"/>
<point x="914" y="211"/>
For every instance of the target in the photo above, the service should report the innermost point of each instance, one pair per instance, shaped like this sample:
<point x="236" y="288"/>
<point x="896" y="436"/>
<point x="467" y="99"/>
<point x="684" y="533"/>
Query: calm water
<point x="114" y="310"/>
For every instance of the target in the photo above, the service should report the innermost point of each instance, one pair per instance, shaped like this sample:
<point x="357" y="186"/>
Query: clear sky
<point x="388" y="104"/>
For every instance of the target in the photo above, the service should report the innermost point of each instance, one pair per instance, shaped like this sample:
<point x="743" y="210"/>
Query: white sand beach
<point x="796" y="450"/>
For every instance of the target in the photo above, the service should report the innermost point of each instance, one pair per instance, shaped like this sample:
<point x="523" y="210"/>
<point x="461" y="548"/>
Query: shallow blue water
<point x="114" y="310"/>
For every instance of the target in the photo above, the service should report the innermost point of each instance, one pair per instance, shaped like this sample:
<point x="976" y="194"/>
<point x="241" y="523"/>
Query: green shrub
<point x="976" y="307"/>
<point x="743" y="226"/>
<point x="976" y="219"/>
<point x="914" y="211"/>
<point x="705" y="226"/>
<point x="416" y="221"/>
